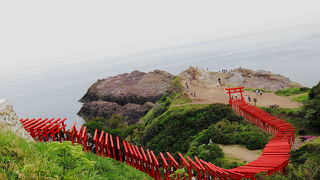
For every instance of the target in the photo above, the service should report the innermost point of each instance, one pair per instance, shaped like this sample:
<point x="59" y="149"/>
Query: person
<point x="260" y="93"/>
<point x="187" y="86"/>
<point x="249" y="98"/>
<point x="219" y="80"/>
<point x="257" y="92"/>
<point x="255" y="101"/>
<point x="236" y="96"/>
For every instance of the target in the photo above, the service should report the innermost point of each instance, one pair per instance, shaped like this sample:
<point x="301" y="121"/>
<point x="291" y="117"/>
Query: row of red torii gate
<point x="274" y="158"/>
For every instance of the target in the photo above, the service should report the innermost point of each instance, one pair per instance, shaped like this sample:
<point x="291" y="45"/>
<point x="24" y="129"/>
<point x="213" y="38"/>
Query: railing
<point x="274" y="158"/>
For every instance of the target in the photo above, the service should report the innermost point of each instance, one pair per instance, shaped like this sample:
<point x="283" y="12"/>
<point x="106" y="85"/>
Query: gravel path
<point x="240" y="152"/>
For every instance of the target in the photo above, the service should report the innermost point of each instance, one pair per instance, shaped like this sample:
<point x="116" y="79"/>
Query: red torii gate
<point x="231" y="91"/>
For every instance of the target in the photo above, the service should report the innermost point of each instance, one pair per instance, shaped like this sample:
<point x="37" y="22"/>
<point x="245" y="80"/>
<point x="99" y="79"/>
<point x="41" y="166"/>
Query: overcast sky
<point x="40" y="34"/>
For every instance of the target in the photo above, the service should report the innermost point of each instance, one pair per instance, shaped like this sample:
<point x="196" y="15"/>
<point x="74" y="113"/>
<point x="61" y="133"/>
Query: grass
<point x="292" y="91"/>
<point x="181" y="99"/>
<point x="302" y="98"/>
<point x="20" y="159"/>
<point x="254" y="90"/>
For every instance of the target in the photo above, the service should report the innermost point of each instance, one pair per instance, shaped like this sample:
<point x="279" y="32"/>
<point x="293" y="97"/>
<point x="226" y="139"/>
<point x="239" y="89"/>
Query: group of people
<point x="258" y="92"/>
<point x="248" y="99"/>
<point x="203" y="69"/>
<point x="224" y="71"/>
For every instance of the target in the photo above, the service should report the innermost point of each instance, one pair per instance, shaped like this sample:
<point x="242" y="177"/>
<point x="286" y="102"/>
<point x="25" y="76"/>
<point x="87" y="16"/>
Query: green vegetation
<point x="302" y="98"/>
<point x="292" y="91"/>
<point x="189" y="128"/>
<point x="254" y="90"/>
<point x="173" y="130"/>
<point x="20" y="159"/>
<point x="226" y="132"/>
<point x="307" y="118"/>
<point x="312" y="108"/>
<point x="293" y="116"/>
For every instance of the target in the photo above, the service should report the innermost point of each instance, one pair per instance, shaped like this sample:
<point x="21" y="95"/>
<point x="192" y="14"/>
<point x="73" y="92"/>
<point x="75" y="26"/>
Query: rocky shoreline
<point x="130" y="95"/>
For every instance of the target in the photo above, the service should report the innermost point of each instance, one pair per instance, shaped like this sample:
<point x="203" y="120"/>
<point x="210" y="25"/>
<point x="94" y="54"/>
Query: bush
<point x="226" y="132"/>
<point x="315" y="92"/>
<point x="209" y="152"/>
<point x="173" y="130"/>
<point x="252" y="140"/>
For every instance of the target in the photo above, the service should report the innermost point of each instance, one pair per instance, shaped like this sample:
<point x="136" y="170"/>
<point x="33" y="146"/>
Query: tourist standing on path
<point x="255" y="101"/>
<point x="249" y="98"/>
<point x="219" y="80"/>
<point x="260" y="93"/>
<point x="187" y="86"/>
<point x="257" y="92"/>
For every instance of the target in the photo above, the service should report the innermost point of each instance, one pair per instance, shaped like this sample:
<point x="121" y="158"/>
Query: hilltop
<point x="205" y="85"/>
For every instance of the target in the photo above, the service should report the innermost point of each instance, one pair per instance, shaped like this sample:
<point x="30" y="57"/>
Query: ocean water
<point x="292" y="52"/>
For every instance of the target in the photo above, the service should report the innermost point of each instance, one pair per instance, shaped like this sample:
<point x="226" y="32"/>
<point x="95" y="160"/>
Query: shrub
<point x="209" y="152"/>
<point x="292" y="91"/>
<point x="173" y="130"/>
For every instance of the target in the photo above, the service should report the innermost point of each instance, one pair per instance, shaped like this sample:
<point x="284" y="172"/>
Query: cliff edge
<point x="130" y="95"/>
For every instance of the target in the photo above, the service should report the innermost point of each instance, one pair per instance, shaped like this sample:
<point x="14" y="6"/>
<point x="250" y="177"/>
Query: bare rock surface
<point x="10" y="121"/>
<point x="130" y="95"/>
<point x="239" y="77"/>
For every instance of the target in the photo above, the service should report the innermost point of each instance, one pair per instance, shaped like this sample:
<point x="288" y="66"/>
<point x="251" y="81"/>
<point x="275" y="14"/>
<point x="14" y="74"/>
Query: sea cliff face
<point x="10" y="121"/>
<point x="130" y="95"/>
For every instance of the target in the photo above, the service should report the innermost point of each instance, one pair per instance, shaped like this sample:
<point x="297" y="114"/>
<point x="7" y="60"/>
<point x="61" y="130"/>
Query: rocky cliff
<point x="130" y="95"/>
<point x="10" y="121"/>
<point x="239" y="77"/>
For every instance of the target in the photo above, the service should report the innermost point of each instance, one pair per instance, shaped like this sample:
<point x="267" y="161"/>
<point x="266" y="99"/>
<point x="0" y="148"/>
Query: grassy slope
<point x="20" y="159"/>
<point x="292" y="91"/>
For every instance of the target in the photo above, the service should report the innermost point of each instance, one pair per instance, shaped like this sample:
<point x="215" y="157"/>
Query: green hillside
<point x="20" y="159"/>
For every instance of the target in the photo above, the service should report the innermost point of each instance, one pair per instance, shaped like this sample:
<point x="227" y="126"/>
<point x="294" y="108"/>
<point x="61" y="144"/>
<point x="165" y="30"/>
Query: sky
<point x="36" y="35"/>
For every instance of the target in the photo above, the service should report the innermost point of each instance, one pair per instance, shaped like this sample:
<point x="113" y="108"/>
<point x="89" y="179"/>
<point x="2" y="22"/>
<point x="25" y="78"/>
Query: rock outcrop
<point x="239" y="77"/>
<point x="10" y="121"/>
<point x="130" y="95"/>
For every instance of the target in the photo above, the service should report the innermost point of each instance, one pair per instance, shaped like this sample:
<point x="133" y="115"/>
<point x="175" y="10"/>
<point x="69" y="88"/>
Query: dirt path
<point x="208" y="94"/>
<point x="240" y="152"/>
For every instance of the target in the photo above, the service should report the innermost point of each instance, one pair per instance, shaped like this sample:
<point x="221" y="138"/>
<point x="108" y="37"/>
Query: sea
<point x="293" y="52"/>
